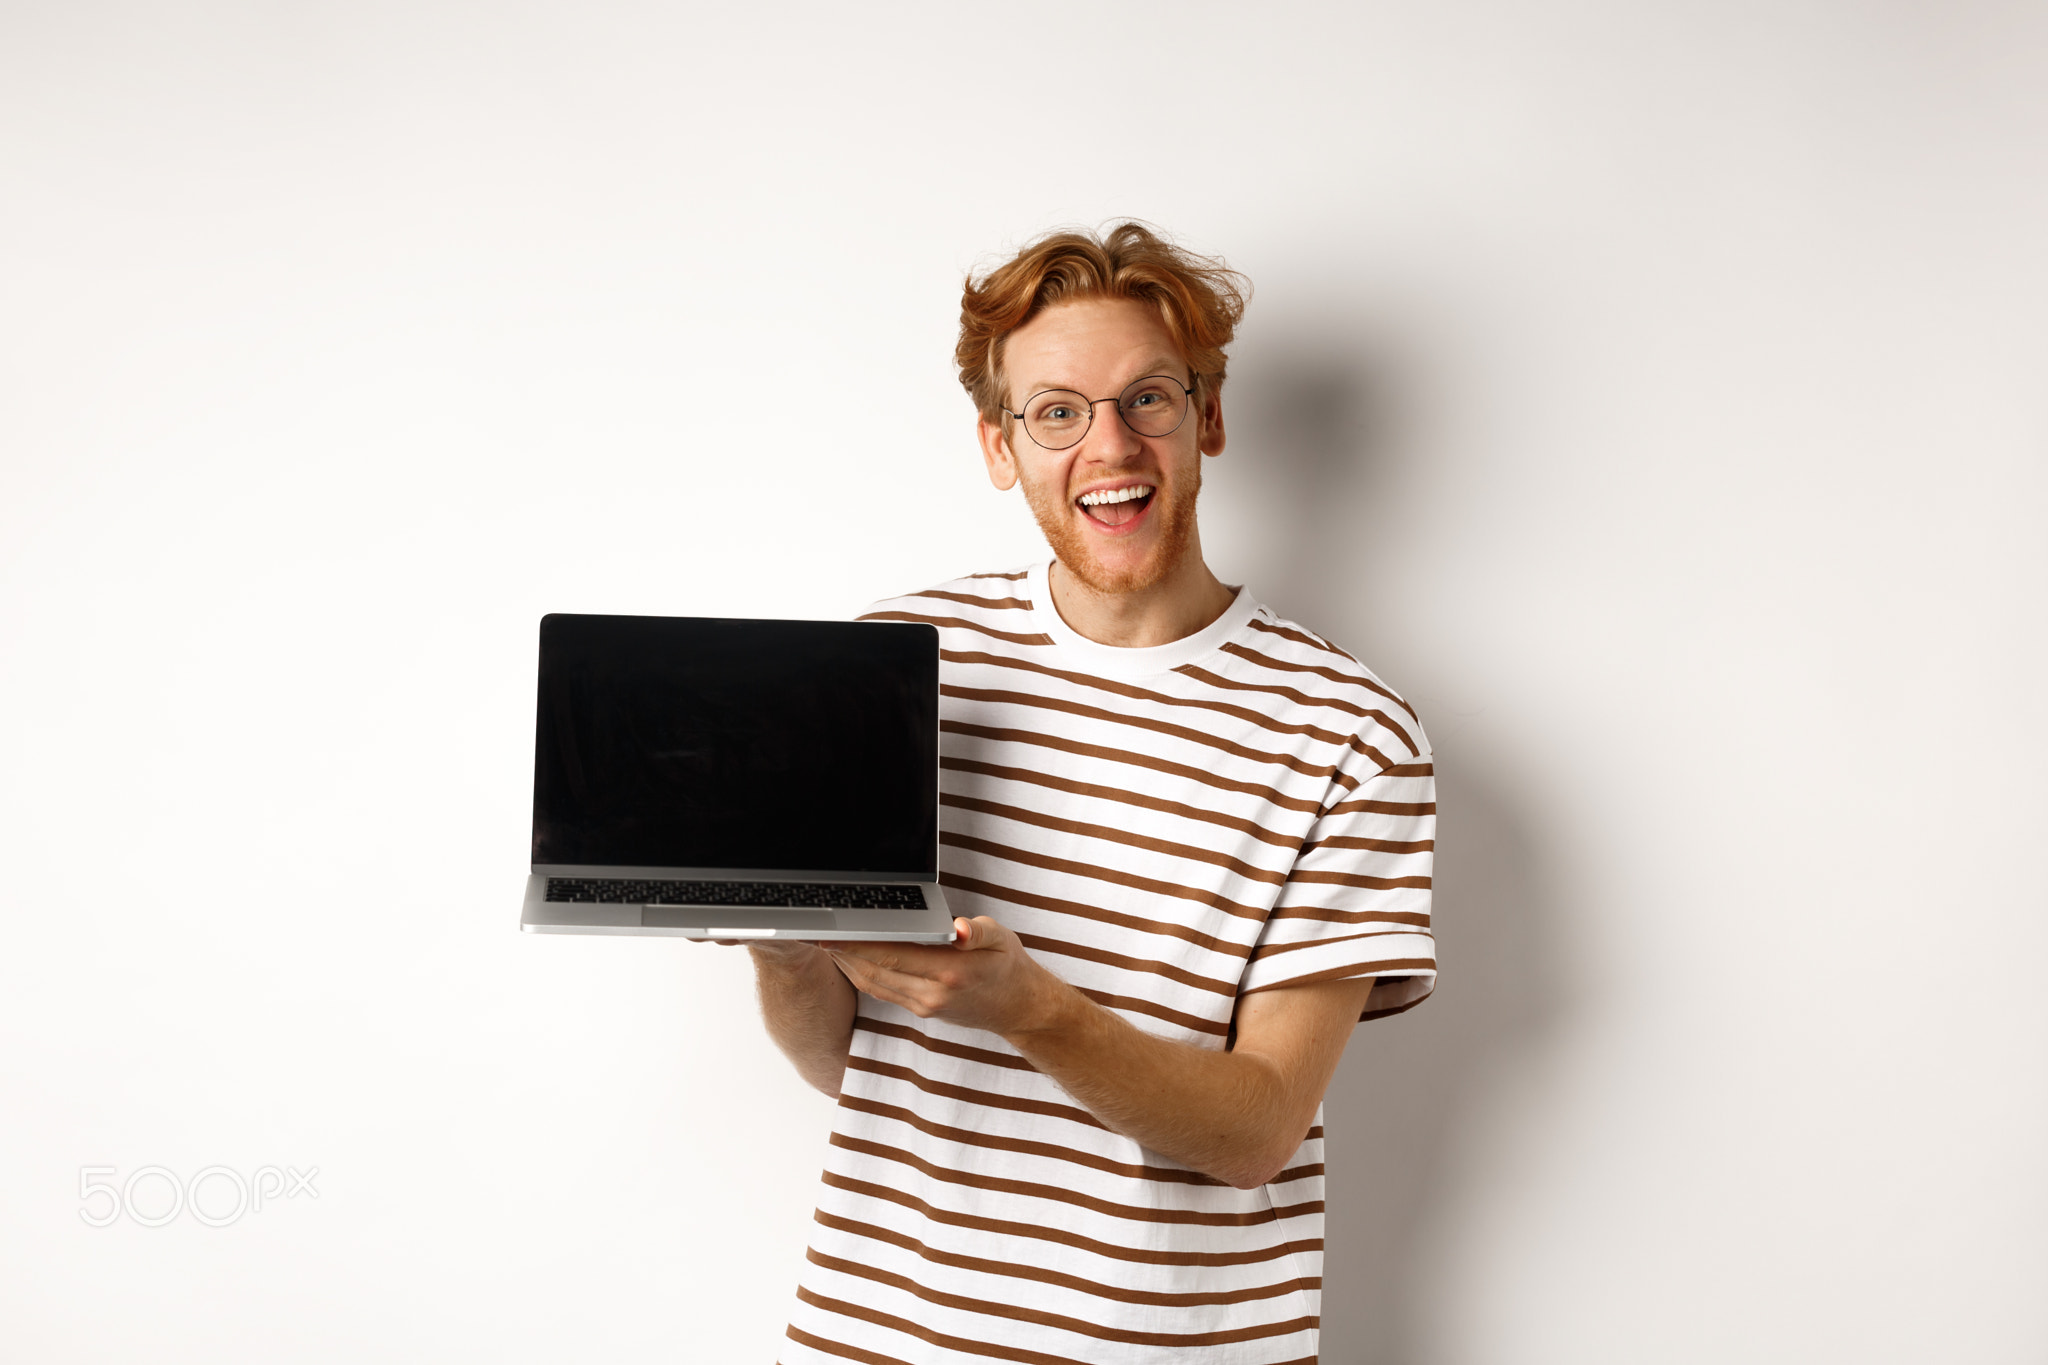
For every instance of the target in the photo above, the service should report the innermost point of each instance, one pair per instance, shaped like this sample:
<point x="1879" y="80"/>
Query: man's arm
<point x="1236" y="1115"/>
<point x="808" y="1006"/>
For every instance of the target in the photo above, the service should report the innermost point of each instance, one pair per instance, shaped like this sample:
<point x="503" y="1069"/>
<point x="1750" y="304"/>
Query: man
<point x="1191" y="846"/>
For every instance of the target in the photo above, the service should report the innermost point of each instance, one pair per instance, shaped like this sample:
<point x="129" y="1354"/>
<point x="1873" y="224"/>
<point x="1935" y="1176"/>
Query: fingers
<point x="886" y="967"/>
<point x="916" y="959"/>
<point x="927" y="979"/>
<point x="979" y="932"/>
<point x="921" y="995"/>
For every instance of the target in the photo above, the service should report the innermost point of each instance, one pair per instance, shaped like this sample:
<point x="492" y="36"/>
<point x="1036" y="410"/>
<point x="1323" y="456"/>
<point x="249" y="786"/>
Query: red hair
<point x="1199" y="299"/>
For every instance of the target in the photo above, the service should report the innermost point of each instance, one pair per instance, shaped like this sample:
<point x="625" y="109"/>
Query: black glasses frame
<point x="1187" y="389"/>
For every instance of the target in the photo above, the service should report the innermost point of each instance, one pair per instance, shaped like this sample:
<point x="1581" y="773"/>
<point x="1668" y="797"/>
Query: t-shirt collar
<point x="1138" y="662"/>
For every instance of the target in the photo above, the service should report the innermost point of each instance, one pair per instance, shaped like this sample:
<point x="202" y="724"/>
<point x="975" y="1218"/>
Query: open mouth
<point x="1115" y="506"/>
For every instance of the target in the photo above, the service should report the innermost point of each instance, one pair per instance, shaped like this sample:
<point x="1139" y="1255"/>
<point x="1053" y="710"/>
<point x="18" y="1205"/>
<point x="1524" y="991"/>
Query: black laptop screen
<point x="706" y="743"/>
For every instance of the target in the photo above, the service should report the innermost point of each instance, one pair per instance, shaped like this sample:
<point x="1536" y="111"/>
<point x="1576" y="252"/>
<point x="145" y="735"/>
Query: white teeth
<point x="1104" y="498"/>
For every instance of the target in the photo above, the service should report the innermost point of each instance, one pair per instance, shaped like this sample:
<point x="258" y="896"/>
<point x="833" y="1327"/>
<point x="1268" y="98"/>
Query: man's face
<point x="1118" y="508"/>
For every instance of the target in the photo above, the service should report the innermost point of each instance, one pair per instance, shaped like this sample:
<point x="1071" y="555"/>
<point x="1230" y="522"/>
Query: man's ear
<point x="1209" y="435"/>
<point x="995" y="453"/>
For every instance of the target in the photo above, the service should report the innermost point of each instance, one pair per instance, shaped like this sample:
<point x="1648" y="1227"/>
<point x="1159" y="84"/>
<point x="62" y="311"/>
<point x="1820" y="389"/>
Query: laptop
<point x="715" y="778"/>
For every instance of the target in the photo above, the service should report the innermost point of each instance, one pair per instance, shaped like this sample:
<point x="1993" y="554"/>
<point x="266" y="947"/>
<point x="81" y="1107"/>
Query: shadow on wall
<point x="1322" y="433"/>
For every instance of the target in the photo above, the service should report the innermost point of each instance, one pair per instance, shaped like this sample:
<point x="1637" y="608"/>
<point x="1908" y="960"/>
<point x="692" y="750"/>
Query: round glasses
<point x="1153" y="406"/>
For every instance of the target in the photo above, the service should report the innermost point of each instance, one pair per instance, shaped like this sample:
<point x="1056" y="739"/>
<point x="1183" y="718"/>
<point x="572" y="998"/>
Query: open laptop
<point x="731" y="779"/>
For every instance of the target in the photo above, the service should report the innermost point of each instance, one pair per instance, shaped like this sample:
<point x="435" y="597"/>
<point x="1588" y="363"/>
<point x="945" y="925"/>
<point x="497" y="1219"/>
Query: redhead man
<point x="1191" y="845"/>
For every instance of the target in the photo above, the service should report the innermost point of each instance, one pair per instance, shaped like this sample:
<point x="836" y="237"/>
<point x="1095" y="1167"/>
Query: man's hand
<point x="1237" y="1115"/>
<point x="983" y="979"/>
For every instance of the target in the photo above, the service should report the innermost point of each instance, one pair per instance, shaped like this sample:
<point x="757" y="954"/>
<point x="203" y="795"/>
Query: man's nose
<point x="1109" y="437"/>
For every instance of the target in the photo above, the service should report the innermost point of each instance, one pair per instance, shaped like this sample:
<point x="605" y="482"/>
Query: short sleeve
<point x="1356" y="902"/>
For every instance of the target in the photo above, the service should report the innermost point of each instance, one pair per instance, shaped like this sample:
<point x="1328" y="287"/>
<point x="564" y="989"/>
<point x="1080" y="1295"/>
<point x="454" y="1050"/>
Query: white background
<point x="1653" y="392"/>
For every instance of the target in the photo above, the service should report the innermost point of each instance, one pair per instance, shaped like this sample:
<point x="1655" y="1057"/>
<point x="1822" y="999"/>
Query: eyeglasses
<point x="1153" y="406"/>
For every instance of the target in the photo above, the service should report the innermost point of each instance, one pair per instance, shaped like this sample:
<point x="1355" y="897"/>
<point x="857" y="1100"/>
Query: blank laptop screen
<point x="691" y="742"/>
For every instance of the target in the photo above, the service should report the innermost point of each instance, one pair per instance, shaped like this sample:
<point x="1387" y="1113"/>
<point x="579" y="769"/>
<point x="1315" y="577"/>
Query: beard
<point x="1070" y="543"/>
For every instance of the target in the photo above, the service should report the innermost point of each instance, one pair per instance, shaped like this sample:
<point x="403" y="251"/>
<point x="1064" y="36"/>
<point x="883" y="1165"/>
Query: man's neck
<point x="1174" y="608"/>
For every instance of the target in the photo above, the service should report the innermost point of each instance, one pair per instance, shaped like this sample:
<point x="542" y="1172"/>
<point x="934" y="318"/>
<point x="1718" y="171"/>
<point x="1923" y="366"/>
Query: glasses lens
<point x="1155" y="405"/>
<point x="1056" y="418"/>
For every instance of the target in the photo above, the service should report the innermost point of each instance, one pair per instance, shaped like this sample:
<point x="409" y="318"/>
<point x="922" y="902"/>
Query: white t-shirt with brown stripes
<point x="1167" y="829"/>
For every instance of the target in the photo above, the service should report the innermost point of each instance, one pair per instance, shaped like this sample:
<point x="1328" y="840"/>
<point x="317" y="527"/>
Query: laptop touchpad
<point x="765" y="917"/>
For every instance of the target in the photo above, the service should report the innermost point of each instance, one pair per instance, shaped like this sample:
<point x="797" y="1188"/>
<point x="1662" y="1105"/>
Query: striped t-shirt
<point x="1166" y="829"/>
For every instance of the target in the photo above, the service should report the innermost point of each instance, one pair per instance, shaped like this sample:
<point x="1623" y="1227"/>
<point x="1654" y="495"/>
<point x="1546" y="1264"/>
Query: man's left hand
<point x="983" y="979"/>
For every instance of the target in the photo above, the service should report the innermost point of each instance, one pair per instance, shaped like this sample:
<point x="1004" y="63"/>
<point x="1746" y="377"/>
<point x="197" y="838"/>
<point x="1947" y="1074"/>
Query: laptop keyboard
<point x="823" y="895"/>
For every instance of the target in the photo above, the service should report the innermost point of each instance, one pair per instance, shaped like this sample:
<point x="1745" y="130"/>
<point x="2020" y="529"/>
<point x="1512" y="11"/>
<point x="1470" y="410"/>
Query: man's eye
<point x="1058" y="413"/>
<point x="1148" y="400"/>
